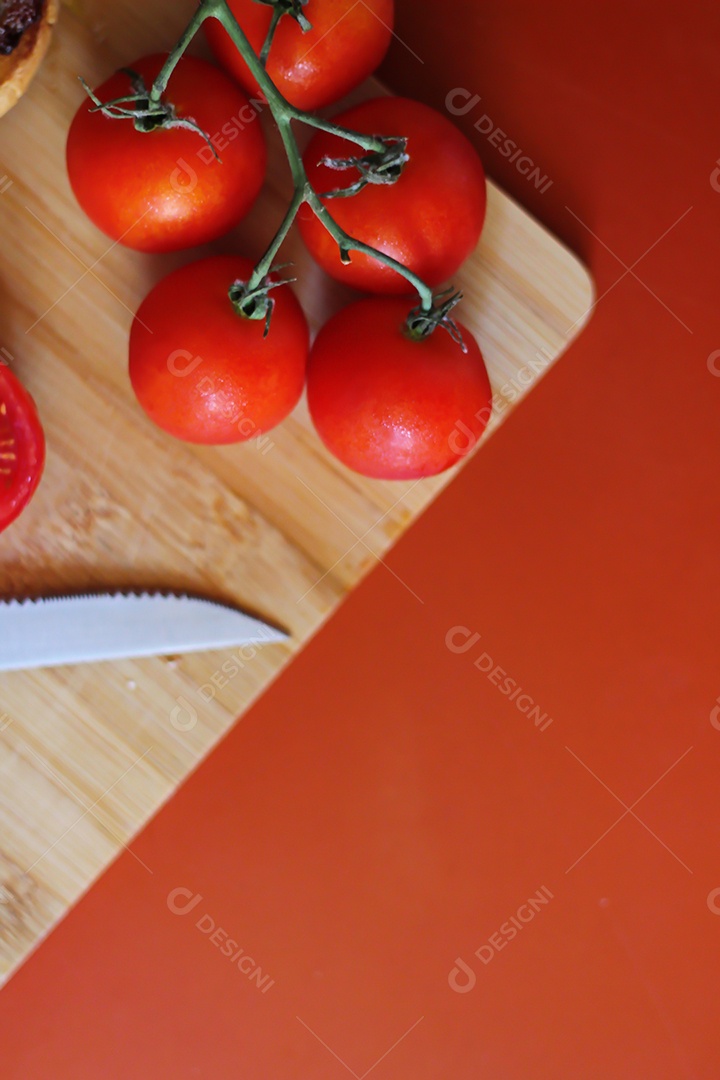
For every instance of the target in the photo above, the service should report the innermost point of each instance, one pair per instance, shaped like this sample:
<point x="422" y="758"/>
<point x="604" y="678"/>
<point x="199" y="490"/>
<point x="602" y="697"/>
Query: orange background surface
<point x="385" y="808"/>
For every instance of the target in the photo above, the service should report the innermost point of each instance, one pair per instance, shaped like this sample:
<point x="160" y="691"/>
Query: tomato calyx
<point x="376" y="167"/>
<point x="146" y="113"/>
<point x="252" y="301"/>
<point x="293" y="8"/>
<point x="420" y="323"/>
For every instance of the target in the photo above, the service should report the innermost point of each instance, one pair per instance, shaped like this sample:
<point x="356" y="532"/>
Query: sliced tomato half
<point x="22" y="447"/>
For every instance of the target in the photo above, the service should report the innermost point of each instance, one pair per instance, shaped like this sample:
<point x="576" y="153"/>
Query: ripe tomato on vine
<point x="314" y="67"/>
<point x="390" y="197"/>
<point x="392" y="405"/>
<point x="205" y="373"/>
<point x="153" y="183"/>
<point x="429" y="218"/>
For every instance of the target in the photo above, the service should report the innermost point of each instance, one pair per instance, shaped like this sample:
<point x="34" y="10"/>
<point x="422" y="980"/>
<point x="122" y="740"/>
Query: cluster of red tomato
<point x="386" y="402"/>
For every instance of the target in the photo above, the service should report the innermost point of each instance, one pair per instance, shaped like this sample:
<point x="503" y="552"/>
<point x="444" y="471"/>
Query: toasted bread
<point x="18" y="67"/>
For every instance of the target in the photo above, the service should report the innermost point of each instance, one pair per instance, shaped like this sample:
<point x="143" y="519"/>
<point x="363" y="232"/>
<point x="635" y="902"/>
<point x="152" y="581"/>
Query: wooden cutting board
<point x="89" y="752"/>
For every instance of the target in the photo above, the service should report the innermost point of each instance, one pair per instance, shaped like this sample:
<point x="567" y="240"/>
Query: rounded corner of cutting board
<point x="575" y="271"/>
<point x="586" y="285"/>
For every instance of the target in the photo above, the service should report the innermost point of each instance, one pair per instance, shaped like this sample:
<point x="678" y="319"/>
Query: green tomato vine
<point x="381" y="162"/>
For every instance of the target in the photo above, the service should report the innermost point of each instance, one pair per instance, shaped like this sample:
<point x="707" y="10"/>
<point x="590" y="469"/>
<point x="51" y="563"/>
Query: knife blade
<point x="114" y="626"/>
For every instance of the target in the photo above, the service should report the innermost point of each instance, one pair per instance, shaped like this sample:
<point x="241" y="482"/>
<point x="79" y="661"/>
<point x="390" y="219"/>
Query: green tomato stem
<point x="276" y="17"/>
<point x="203" y="12"/>
<point x="283" y="114"/>
<point x="367" y="142"/>
<point x="348" y="243"/>
<point x="264" y="266"/>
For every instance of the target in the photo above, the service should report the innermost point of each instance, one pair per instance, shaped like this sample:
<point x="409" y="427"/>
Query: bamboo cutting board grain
<point x="89" y="752"/>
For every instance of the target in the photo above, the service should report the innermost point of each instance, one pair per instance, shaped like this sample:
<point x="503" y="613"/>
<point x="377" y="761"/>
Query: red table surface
<point x="368" y="828"/>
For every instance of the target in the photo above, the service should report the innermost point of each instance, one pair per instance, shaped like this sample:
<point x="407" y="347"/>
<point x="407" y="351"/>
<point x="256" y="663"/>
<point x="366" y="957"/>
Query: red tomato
<point x="389" y="406"/>
<point x="22" y="447"/>
<point x="164" y="190"/>
<point x="347" y="41"/>
<point x="429" y="220"/>
<point x="203" y="372"/>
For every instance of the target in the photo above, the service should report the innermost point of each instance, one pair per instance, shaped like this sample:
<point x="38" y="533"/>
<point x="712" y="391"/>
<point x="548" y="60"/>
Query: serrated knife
<point x="75" y="629"/>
